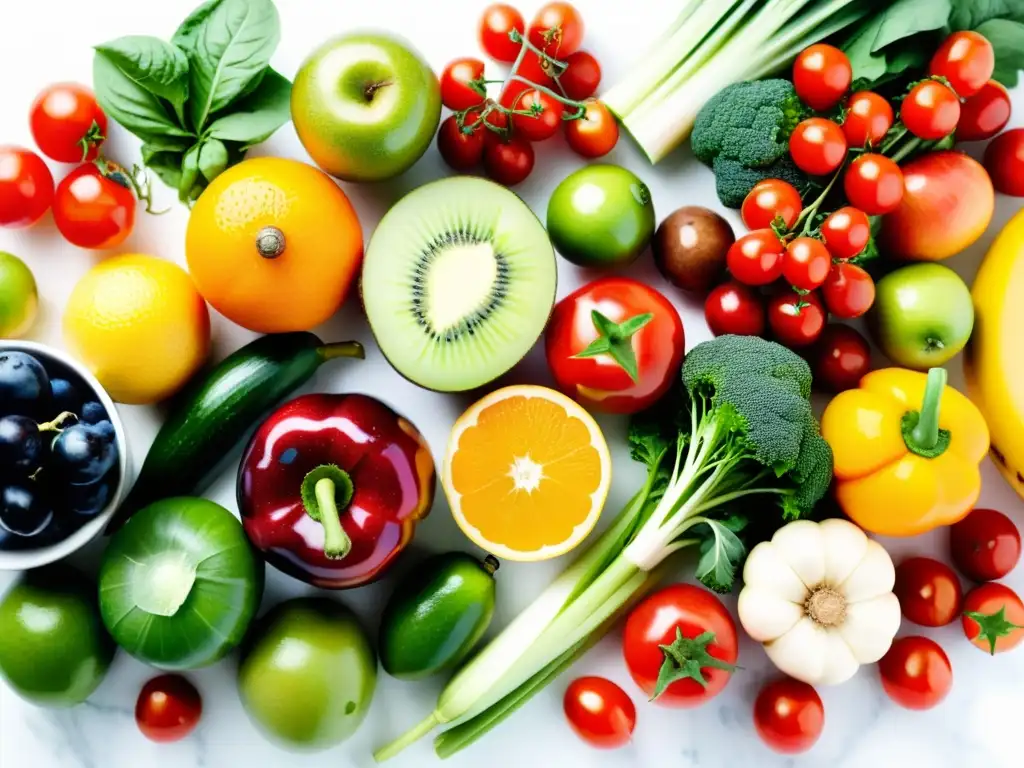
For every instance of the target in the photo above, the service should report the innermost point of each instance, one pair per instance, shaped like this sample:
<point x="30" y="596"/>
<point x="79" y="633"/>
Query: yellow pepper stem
<point x="921" y="430"/>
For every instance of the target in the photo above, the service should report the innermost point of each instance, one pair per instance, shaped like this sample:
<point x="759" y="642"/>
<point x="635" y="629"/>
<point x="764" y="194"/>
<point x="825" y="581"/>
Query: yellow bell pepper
<point x="907" y="450"/>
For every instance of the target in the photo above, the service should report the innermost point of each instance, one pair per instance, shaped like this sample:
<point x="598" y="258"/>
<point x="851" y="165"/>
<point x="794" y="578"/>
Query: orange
<point x="527" y="473"/>
<point x="274" y="245"/>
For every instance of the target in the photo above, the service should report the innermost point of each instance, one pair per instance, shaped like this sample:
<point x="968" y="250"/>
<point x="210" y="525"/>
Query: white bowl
<point x="33" y="558"/>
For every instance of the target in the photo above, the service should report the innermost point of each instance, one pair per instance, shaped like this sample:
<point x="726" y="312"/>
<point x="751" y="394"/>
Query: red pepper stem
<point x="336" y="542"/>
<point x="341" y="349"/>
<point x="926" y="433"/>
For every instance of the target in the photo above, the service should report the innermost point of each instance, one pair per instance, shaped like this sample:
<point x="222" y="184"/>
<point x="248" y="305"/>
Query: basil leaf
<point x="213" y="158"/>
<point x="157" y="66"/>
<point x="189" y="174"/>
<point x="971" y="14"/>
<point x="166" y="164"/>
<point x="254" y="118"/>
<point x="185" y="36"/>
<point x="1007" y="38"/>
<point x="905" y="18"/>
<point x="131" y="105"/>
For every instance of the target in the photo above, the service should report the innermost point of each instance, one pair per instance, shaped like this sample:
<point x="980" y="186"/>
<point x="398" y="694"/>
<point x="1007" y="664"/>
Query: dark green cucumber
<point x="211" y="416"/>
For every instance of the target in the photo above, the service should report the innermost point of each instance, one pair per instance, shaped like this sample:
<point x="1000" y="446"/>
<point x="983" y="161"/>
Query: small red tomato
<point x="868" y="118"/>
<point x="735" y="308"/>
<point x="985" y="114"/>
<point x="1004" y="161"/>
<point x="967" y="60"/>
<point x="536" y="70"/>
<point x="806" y="263"/>
<point x="873" y="183"/>
<point x="821" y="75"/>
<point x="842" y="357"/>
<point x="508" y="162"/>
<point x="557" y="29"/>
<point x="600" y="712"/>
<point x="916" y="673"/>
<point x="461" y="150"/>
<point x="789" y="716"/>
<point x="849" y="291"/>
<point x="993" y="618"/>
<point x="768" y="200"/>
<point x="817" y="146"/>
<point x="930" y="111"/>
<point x="544" y="118"/>
<point x="929" y="592"/>
<point x="94" y="206"/>
<point x="581" y="77"/>
<point x="26" y="187"/>
<point x="796" y="320"/>
<point x="459" y="83"/>
<point x="67" y="123"/>
<point x="497" y="21"/>
<point x="756" y="258"/>
<point x="595" y="134"/>
<point x="846" y="232"/>
<point x="168" y="708"/>
<point x="985" y="545"/>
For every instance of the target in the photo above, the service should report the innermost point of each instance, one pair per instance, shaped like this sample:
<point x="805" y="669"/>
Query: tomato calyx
<point x="137" y="180"/>
<point x="685" y="657"/>
<point x="992" y="626"/>
<point x="616" y="340"/>
<point x="92" y="138"/>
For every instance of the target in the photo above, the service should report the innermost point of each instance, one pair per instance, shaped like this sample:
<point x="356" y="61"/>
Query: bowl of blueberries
<point x="63" y="455"/>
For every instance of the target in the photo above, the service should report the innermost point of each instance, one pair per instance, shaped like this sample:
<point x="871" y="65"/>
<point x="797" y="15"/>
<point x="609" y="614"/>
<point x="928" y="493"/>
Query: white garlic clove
<point x="767" y="570"/>
<point x="873" y="576"/>
<point x="870" y="627"/>
<point x="800" y="544"/>
<point x="845" y="547"/>
<point x="800" y="653"/>
<point x="764" y="614"/>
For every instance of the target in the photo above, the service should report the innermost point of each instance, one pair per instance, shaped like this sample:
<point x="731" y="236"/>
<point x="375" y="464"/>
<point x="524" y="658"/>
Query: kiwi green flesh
<point x="458" y="282"/>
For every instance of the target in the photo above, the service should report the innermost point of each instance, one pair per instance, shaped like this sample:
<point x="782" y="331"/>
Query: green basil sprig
<point x="200" y="101"/>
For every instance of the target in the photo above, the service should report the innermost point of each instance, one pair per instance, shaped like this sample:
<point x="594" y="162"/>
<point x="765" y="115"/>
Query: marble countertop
<point x="976" y="725"/>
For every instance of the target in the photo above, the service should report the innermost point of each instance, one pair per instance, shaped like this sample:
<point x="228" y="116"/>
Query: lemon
<point x="19" y="301"/>
<point x="140" y="326"/>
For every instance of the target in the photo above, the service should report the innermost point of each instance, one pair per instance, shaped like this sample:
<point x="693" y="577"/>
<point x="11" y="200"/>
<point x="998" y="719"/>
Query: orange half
<point x="526" y="473"/>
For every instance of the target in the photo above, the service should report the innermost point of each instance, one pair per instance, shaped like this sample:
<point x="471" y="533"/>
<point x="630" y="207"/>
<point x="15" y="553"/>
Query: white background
<point x="49" y="40"/>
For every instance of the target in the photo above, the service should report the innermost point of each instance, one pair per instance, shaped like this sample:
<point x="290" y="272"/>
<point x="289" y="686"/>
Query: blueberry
<point x="23" y="511"/>
<point x="83" y="453"/>
<point x="65" y="397"/>
<point x="24" y="385"/>
<point x="22" y="445"/>
<point x="106" y="429"/>
<point x="93" y="412"/>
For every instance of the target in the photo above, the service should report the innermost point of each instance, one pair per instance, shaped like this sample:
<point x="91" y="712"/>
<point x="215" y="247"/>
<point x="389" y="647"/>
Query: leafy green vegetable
<point x="1007" y="38"/>
<point x="156" y="66"/>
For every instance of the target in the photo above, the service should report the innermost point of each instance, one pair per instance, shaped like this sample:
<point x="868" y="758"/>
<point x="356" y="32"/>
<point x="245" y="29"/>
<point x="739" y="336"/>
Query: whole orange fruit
<point x="274" y="245"/>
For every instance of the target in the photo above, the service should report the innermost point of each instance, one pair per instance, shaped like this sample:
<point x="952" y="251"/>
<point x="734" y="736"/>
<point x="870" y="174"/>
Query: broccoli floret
<point x="733" y="180"/>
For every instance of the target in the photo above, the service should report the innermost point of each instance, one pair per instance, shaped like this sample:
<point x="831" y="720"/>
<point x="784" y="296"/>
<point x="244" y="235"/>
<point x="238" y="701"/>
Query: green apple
<point x="922" y="315"/>
<point x="365" y="106"/>
<point x="19" y="300"/>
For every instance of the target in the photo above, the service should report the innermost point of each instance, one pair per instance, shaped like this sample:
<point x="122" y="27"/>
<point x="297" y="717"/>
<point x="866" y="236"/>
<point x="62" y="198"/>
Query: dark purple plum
<point x="83" y="453"/>
<point x="23" y="512"/>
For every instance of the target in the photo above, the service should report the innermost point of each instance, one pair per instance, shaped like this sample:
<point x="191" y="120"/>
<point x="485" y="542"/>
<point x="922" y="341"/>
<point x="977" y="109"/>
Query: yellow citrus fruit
<point x="527" y="473"/>
<point x="138" y="323"/>
<point x="274" y="245"/>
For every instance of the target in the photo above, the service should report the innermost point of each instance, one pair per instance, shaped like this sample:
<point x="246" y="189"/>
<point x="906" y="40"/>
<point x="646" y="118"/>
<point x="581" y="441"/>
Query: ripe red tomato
<point x="873" y="183"/>
<point x="26" y="187"/>
<point x="930" y="111"/>
<point x="916" y="672"/>
<point x="462" y="151"/>
<point x="849" y="291"/>
<point x="985" y="545"/>
<point x="641" y="331"/>
<point x="846" y="232"/>
<point x="768" y="200"/>
<point x="984" y="114"/>
<point x="796" y="320"/>
<point x="508" y="162"/>
<point x="868" y="118"/>
<point x="806" y="263"/>
<point x="756" y="258"/>
<point x="536" y="70"/>
<point x="817" y="146"/>
<point x="557" y="29"/>
<point x="821" y="75"/>
<point x="993" y="618"/>
<point x="929" y="592"/>
<point x="94" y="206"/>
<point x="581" y="77"/>
<point x="600" y="712"/>
<point x="542" y="125"/>
<point x="789" y="716"/>
<point x="734" y="308"/>
<point x="595" y="134"/>
<point x="67" y="124"/>
<point x="497" y="21"/>
<point x="1004" y="161"/>
<point x="842" y="357"/>
<point x="457" y="83"/>
<point x="675" y="617"/>
<point x="967" y="60"/>
<point x="168" y="708"/>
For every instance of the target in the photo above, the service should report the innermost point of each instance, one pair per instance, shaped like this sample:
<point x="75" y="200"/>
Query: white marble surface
<point x="978" y="725"/>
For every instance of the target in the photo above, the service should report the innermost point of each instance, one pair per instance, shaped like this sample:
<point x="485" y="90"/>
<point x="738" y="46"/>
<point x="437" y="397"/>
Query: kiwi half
<point x="458" y="282"/>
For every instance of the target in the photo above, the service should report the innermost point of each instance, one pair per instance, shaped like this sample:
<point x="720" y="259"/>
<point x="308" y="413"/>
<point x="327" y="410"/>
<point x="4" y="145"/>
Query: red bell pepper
<point x="331" y="488"/>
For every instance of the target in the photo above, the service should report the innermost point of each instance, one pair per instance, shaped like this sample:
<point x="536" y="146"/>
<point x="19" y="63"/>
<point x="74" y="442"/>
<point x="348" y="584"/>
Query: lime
<point x="18" y="298"/>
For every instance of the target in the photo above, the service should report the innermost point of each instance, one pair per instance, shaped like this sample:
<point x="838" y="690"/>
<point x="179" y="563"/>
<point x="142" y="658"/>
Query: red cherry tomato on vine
<point x="849" y="291"/>
<point x="735" y="308"/>
<point x="806" y="263"/>
<point x="984" y="114"/>
<point x="462" y="151"/>
<point x="1004" y="161"/>
<point x="769" y="199"/>
<point x="581" y="77"/>
<point x="557" y="29"/>
<point x="796" y="320"/>
<point x="929" y="592"/>
<point x="916" y="673"/>
<point x="930" y="111"/>
<point x="67" y="123"/>
<point x="846" y="232"/>
<point x="967" y="60"/>
<point x="94" y="206"/>
<point x="595" y="134"/>
<point x="26" y="187"/>
<point x="456" y="91"/>
<point x="873" y="183"/>
<point x="646" y="341"/>
<point x="817" y="146"/>
<point x="842" y="357"/>
<point x="993" y="618"/>
<point x="789" y="716"/>
<point x="542" y="125"/>
<point x="600" y="712"/>
<point x="756" y="258"/>
<point x="868" y="118"/>
<point x="508" y="162"/>
<point x="821" y="75"/>
<point x="497" y="21"/>
<point x="985" y="545"/>
<point x="168" y="708"/>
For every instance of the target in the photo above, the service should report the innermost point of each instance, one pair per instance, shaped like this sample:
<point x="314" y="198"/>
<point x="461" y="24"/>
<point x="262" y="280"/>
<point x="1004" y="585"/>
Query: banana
<point x="994" y="360"/>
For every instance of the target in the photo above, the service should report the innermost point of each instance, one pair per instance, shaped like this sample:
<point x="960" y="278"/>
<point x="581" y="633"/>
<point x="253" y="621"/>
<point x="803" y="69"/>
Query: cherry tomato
<point x="817" y="146"/>
<point x="873" y="183"/>
<point x="595" y="134"/>
<point x="643" y="331"/>
<point x="168" y="708"/>
<point x="94" y="206"/>
<point x="540" y="126"/>
<point x="985" y="545"/>
<point x="929" y="592"/>
<point x="821" y="75"/>
<point x="462" y="151"/>
<point x="1004" y="161"/>
<point x="581" y="77"/>
<point x="508" y="162"/>
<point x="557" y="29"/>
<point x="984" y="114"/>
<point x="67" y="124"/>
<point x="916" y="673"/>
<point x="868" y="118"/>
<point x="600" y="712"/>
<point x="497" y="21"/>
<point x="26" y="187"/>
<point x="735" y="308"/>
<point x="768" y="200"/>
<point x="672" y="619"/>
<point x="849" y="291"/>
<point x="457" y="91"/>
<point x="756" y="258"/>
<point x="806" y="263"/>
<point x="536" y="70"/>
<point x="846" y="232"/>
<point x="993" y="618"/>
<point x="842" y="357"/>
<point x="789" y="716"/>
<point x="930" y="111"/>
<point x="967" y="60"/>
<point x="796" y="320"/>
